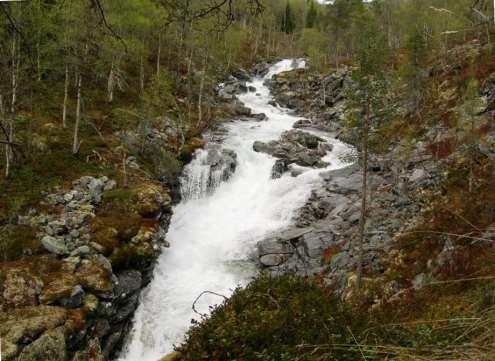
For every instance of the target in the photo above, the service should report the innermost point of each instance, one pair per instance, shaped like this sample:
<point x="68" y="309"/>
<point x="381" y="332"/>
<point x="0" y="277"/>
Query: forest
<point x="106" y="107"/>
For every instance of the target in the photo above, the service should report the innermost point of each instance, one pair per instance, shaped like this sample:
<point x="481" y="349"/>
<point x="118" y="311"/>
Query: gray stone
<point x="96" y="185"/>
<point x="272" y="260"/>
<point x="76" y="298"/>
<point x="419" y="281"/>
<point x="128" y="283"/>
<point x="55" y="245"/>
<point x="81" y="251"/>
<point x="110" y="185"/>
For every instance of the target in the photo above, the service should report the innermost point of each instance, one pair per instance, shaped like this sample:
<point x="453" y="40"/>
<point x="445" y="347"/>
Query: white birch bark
<point x="76" y="143"/>
<point x="66" y="96"/>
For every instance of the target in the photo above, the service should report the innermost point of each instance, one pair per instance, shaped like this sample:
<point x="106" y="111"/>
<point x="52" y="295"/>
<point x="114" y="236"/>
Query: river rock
<point x="296" y="147"/>
<point x="237" y="108"/>
<point x="129" y="282"/>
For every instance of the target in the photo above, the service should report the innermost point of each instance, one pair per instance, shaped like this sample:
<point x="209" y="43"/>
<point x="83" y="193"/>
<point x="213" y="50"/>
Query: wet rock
<point x="126" y="310"/>
<point x="237" y="108"/>
<point x="279" y="168"/>
<point x="93" y="353"/>
<point x="296" y="147"/>
<point x="129" y="282"/>
<point x="75" y="299"/>
<point x="241" y="74"/>
<point x="261" y="69"/>
<point x="174" y="356"/>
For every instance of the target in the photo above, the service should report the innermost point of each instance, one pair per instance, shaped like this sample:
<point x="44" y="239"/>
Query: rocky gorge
<point x="98" y="242"/>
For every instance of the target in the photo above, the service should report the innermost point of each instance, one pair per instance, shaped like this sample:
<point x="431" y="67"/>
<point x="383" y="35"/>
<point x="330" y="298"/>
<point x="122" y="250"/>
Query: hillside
<point x="304" y="181"/>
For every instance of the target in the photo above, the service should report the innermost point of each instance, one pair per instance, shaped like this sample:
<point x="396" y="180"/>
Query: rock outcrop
<point x="75" y="297"/>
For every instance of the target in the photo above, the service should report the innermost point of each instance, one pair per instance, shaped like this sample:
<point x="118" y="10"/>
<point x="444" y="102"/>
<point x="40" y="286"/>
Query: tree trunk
<point x="201" y="88"/>
<point x="76" y="143"/>
<point x="38" y="60"/>
<point x="111" y="83"/>
<point x="362" y="221"/>
<point x="66" y="96"/>
<point x="7" y="146"/>
<point x="159" y="56"/>
<point x="141" y="74"/>
<point x="14" y="75"/>
<point x="14" y="84"/>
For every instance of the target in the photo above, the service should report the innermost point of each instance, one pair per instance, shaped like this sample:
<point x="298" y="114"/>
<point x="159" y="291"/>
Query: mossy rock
<point x="50" y="346"/>
<point x="110" y="230"/>
<point x="17" y="241"/>
<point x="188" y="149"/>
<point x="129" y="255"/>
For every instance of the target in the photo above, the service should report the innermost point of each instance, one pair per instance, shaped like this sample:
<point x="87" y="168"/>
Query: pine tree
<point x="288" y="20"/>
<point x="368" y="97"/>
<point x="312" y="15"/>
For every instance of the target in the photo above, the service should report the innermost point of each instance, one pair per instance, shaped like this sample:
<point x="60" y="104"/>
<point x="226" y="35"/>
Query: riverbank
<point x="427" y="290"/>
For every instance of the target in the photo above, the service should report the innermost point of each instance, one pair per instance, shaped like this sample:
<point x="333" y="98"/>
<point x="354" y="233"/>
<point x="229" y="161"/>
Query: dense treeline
<point x="100" y="64"/>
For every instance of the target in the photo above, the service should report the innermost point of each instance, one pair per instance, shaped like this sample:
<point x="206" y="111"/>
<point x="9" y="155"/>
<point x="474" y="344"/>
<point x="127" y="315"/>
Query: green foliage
<point x="414" y="69"/>
<point x="312" y="14"/>
<point x="288" y="318"/>
<point x="288" y="23"/>
<point x="271" y="320"/>
<point x="16" y="241"/>
<point x="315" y="45"/>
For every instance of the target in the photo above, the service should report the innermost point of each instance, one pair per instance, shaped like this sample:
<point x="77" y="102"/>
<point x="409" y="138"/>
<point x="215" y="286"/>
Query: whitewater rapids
<point x="213" y="233"/>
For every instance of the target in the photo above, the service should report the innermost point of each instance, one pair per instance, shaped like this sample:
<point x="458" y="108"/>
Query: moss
<point x="16" y="241"/>
<point x="189" y="148"/>
<point x="117" y="200"/>
<point x="129" y="255"/>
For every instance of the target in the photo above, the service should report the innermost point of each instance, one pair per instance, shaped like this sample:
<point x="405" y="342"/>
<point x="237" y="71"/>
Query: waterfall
<point x="210" y="167"/>
<point x="226" y="209"/>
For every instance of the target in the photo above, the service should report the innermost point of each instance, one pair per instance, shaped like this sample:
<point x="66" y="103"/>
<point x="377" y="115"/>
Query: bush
<point x="274" y="319"/>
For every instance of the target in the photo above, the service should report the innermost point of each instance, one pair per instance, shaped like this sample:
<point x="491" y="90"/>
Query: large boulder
<point x="295" y="147"/>
<point x="50" y="346"/>
<point x="21" y="288"/>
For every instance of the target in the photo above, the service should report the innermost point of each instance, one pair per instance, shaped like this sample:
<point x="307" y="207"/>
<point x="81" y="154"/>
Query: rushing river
<point x="212" y="234"/>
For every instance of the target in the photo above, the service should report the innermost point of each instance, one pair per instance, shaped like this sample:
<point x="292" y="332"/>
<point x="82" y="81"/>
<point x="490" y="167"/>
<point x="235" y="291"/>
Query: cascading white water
<point x="213" y="232"/>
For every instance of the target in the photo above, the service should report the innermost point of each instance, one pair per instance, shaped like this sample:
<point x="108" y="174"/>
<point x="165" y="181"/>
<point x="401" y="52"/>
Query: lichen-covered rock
<point x="50" y="346"/>
<point x="94" y="277"/>
<point x="55" y="245"/>
<point x="151" y="199"/>
<point x="21" y="288"/>
<point x="22" y="324"/>
<point x="60" y="286"/>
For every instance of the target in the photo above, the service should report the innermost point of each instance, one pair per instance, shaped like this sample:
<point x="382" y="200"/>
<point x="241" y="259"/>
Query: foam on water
<point x="213" y="233"/>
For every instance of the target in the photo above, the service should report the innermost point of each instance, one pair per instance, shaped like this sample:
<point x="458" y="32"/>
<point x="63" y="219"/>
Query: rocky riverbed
<point x="323" y="240"/>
